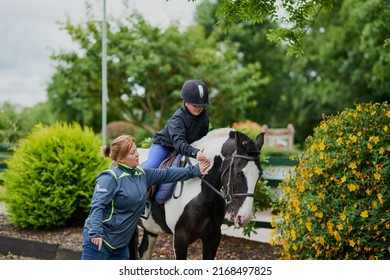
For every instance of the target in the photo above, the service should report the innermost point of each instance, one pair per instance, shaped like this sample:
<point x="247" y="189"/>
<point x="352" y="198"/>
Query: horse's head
<point x="241" y="171"/>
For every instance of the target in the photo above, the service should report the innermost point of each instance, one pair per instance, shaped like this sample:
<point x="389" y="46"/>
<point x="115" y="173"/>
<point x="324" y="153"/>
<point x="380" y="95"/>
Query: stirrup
<point x="147" y="210"/>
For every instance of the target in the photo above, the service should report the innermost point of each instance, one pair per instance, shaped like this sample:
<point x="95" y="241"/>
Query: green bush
<point x="338" y="204"/>
<point x="51" y="176"/>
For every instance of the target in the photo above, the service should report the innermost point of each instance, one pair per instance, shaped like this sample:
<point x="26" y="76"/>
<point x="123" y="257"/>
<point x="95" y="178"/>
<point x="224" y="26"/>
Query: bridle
<point x="230" y="186"/>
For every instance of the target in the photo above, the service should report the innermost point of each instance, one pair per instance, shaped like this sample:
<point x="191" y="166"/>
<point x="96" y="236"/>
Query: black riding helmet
<point x="195" y="92"/>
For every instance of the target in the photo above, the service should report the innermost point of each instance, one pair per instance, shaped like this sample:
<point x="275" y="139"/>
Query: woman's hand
<point x="98" y="241"/>
<point x="204" y="162"/>
<point x="200" y="156"/>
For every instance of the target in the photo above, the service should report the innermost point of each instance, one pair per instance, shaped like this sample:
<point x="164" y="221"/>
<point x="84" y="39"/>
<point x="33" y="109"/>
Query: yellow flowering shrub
<point x="337" y="205"/>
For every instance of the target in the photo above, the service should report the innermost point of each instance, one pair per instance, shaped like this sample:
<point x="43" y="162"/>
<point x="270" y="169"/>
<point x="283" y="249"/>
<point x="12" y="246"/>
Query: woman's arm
<point x="167" y="175"/>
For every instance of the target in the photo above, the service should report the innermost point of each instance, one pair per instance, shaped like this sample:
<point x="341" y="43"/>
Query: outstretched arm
<point x="175" y="174"/>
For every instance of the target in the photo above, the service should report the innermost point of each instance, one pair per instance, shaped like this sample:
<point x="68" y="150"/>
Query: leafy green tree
<point x="9" y="123"/>
<point x="346" y="61"/>
<point x="16" y="121"/>
<point x="147" y="67"/>
<point x="293" y="18"/>
<point x="251" y="42"/>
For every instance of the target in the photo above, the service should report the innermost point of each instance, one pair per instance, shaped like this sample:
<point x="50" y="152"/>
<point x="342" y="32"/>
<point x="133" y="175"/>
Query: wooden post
<point x="279" y="137"/>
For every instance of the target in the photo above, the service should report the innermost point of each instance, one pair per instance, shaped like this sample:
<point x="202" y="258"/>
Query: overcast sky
<point x="29" y="34"/>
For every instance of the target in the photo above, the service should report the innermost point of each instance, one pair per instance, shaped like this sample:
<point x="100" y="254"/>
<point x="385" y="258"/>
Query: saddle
<point x="157" y="195"/>
<point x="163" y="192"/>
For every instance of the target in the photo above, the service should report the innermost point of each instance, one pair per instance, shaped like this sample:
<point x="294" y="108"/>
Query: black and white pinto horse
<point x="199" y="211"/>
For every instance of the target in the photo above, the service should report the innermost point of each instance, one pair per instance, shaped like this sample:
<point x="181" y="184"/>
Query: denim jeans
<point x="157" y="154"/>
<point x="91" y="252"/>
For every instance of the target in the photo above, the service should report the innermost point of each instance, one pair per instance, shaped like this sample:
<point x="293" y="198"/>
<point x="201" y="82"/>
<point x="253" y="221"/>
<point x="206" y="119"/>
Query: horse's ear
<point x="260" y="140"/>
<point x="240" y="146"/>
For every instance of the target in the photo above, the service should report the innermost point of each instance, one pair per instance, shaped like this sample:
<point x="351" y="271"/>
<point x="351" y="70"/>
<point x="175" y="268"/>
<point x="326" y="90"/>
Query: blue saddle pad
<point x="165" y="191"/>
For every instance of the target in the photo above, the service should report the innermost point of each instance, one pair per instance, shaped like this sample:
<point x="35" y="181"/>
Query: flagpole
<point x="104" y="77"/>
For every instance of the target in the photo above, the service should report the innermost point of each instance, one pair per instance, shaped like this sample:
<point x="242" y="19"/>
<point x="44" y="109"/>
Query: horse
<point x="198" y="208"/>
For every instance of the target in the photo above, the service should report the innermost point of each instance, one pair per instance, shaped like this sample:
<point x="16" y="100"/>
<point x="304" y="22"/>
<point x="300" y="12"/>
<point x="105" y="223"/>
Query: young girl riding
<point x="188" y="124"/>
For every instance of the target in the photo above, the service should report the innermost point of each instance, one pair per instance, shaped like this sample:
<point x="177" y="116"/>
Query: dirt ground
<point x="230" y="248"/>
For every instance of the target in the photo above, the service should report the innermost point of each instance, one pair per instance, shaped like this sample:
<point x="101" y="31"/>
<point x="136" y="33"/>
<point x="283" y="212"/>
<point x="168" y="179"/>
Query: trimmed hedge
<point x="51" y="176"/>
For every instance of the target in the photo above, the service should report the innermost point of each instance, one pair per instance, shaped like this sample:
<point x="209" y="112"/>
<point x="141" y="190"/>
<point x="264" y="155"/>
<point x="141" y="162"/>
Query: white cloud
<point x="29" y="32"/>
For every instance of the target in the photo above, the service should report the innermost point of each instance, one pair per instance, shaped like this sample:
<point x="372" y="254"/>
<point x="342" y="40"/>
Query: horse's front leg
<point x="210" y="245"/>
<point x="147" y="244"/>
<point x="180" y="245"/>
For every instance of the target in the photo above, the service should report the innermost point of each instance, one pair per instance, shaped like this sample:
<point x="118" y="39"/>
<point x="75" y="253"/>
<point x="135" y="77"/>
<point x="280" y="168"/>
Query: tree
<point x="346" y="61"/>
<point x="16" y="121"/>
<point x="147" y="66"/>
<point x="292" y="18"/>
<point x="9" y="123"/>
<point x="250" y="40"/>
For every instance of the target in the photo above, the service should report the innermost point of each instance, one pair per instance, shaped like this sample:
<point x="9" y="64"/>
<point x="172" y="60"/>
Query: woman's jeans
<point x="91" y="252"/>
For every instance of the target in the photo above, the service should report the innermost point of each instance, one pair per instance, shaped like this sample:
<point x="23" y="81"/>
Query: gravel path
<point x="3" y="210"/>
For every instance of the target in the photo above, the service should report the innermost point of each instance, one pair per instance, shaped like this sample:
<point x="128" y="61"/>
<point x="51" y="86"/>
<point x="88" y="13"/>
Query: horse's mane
<point x="213" y="134"/>
<point x="219" y="132"/>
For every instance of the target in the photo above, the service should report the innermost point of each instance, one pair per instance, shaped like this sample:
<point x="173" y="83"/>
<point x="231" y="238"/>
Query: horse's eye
<point x="239" y="173"/>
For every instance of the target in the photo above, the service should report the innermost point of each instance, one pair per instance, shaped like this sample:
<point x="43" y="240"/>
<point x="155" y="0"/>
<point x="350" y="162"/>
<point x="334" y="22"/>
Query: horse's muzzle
<point x="239" y="221"/>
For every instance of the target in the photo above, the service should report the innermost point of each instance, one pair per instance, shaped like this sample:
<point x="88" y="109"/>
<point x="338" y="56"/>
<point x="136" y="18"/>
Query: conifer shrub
<point x="337" y="205"/>
<point x="50" y="176"/>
